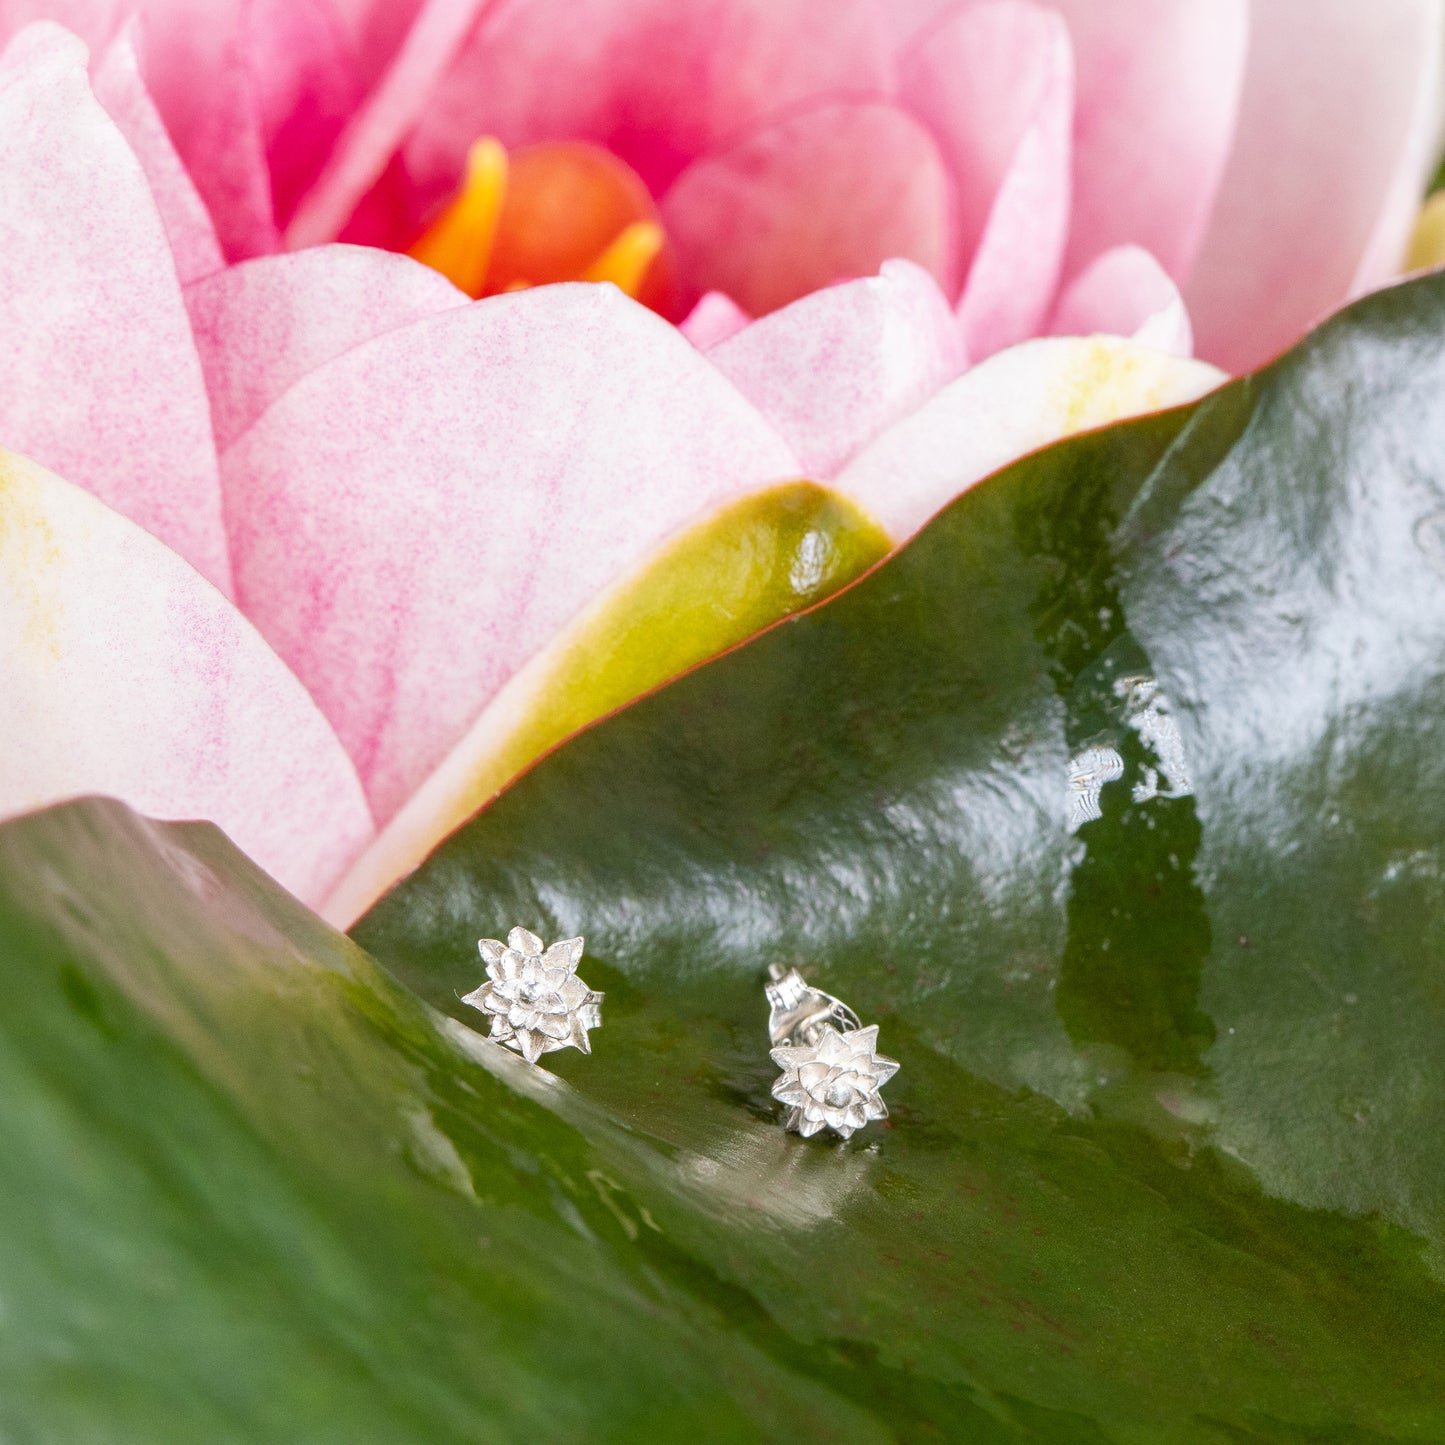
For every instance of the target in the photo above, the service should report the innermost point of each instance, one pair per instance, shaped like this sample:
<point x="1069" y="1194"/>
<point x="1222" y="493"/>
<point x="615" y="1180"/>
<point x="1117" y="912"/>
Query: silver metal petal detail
<point x="832" y="1081"/>
<point x="533" y="997"/>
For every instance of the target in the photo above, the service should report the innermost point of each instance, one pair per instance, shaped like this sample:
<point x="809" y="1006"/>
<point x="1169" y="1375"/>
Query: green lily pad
<point x="1116" y="800"/>
<point x="253" y="1191"/>
<point x="1223" y="971"/>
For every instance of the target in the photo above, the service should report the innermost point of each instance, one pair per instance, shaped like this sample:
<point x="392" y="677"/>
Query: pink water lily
<point x="1054" y="166"/>
<point x="322" y="515"/>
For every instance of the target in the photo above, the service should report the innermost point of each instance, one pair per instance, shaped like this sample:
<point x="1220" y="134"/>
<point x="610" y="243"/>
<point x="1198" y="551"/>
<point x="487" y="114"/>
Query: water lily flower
<point x="315" y="546"/>
<point x="1061" y="166"/>
<point x="338" y="551"/>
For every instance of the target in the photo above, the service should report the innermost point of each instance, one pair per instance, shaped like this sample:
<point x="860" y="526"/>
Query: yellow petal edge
<point x="747" y="566"/>
<point x="1427" y="244"/>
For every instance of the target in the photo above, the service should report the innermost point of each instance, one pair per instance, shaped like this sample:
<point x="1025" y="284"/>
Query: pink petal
<point x="833" y="370"/>
<point x="905" y="20"/>
<point x="1126" y="292"/>
<point x="1012" y="404"/>
<point x="1158" y="92"/>
<point x="995" y="82"/>
<point x="713" y="319"/>
<point x="96" y="22"/>
<point x="262" y="325"/>
<point x="1336" y="136"/>
<point x="378" y="128"/>
<point x="98" y="373"/>
<point x="375" y="31"/>
<point x="207" y="86"/>
<point x="306" y="85"/>
<point x="820" y="197"/>
<point x="658" y="82"/>
<point x="253" y="93"/>
<point x="126" y="674"/>
<point x="119" y="88"/>
<point x="413" y="521"/>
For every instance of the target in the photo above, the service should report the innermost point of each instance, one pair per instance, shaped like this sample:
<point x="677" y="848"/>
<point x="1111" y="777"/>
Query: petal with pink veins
<point x="1158" y="91"/>
<point x="253" y="92"/>
<point x="833" y="370"/>
<point x="262" y="325"/>
<point x="1017" y="401"/>
<point x="206" y="84"/>
<point x="995" y="83"/>
<point x="127" y="674"/>
<point x="99" y="377"/>
<point x="657" y="82"/>
<point x="1126" y="292"/>
<point x="413" y="521"/>
<point x="118" y="86"/>
<point x="1337" y="132"/>
<point x="823" y="196"/>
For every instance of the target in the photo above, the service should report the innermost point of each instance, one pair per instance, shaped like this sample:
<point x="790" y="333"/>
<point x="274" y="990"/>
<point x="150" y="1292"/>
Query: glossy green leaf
<point x="1165" y="1161"/>
<point x="1166" y="1152"/>
<point x="253" y="1191"/>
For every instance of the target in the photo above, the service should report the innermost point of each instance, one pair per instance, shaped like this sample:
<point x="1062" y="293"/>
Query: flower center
<point x="558" y="211"/>
<point x="839" y="1096"/>
<point x="529" y="993"/>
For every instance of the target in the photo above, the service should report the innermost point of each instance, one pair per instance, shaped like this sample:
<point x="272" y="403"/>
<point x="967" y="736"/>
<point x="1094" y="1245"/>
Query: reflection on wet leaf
<point x="1088" y="772"/>
<point x="1146" y="711"/>
<point x="1149" y="714"/>
<point x="786" y="1181"/>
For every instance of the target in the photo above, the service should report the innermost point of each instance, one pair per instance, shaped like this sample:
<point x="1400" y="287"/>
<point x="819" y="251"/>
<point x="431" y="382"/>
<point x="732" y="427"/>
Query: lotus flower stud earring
<point x="831" y="1070"/>
<point x="534" y="998"/>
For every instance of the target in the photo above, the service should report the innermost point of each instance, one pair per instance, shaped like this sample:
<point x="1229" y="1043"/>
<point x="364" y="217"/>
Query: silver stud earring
<point x="534" y="998"/>
<point x="831" y="1069"/>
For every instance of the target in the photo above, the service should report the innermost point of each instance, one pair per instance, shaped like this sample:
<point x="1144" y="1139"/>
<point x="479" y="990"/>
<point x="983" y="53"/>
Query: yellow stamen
<point x="459" y="242"/>
<point x="1427" y="245"/>
<point x="626" y="261"/>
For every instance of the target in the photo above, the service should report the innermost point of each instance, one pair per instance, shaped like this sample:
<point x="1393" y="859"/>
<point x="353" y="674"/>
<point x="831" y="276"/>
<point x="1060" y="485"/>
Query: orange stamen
<point x="559" y="211"/>
<point x="459" y="242"/>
